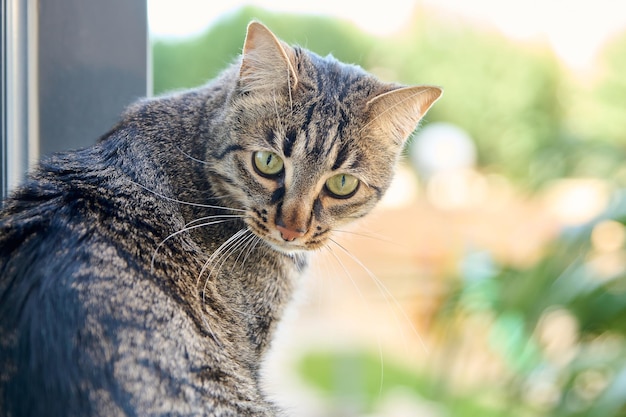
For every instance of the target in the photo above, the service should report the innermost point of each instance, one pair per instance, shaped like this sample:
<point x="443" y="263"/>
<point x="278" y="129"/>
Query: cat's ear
<point x="398" y="112"/>
<point x="267" y="63"/>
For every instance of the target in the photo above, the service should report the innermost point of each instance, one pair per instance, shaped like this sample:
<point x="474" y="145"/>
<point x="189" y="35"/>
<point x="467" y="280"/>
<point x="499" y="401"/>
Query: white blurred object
<point x="575" y="201"/>
<point x="445" y="158"/>
<point x="442" y="147"/>
<point x="457" y="189"/>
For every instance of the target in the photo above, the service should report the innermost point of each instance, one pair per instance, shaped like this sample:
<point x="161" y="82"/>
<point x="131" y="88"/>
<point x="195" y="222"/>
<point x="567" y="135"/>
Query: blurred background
<point x="492" y="279"/>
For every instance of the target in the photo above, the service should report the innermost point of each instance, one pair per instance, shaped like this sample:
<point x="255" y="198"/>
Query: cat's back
<point x="108" y="187"/>
<point x="63" y="264"/>
<point x="89" y="324"/>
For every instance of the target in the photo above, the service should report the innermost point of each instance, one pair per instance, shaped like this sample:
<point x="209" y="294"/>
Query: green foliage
<point x="587" y="377"/>
<point x="189" y="63"/>
<point x="356" y="378"/>
<point x="503" y="95"/>
<point x="598" y="109"/>
<point x="360" y="381"/>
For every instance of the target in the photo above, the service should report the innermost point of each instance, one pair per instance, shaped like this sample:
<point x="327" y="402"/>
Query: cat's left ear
<point x="267" y="62"/>
<point x="398" y="112"/>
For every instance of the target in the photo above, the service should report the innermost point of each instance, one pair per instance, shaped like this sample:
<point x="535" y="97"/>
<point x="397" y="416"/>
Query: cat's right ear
<point x="397" y="113"/>
<point x="267" y="63"/>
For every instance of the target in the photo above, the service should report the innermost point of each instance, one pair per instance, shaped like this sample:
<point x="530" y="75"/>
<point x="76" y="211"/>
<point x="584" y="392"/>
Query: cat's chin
<point x="291" y="248"/>
<point x="287" y="248"/>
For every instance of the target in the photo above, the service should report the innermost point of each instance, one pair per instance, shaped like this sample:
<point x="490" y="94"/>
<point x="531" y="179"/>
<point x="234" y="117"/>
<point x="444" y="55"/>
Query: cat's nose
<point x="289" y="235"/>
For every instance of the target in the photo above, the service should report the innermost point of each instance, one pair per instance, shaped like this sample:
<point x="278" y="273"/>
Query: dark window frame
<point x="68" y="69"/>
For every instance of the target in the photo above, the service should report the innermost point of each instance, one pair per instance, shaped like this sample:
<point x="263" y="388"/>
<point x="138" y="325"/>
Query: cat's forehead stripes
<point x="332" y="78"/>
<point x="341" y="156"/>
<point x="289" y="142"/>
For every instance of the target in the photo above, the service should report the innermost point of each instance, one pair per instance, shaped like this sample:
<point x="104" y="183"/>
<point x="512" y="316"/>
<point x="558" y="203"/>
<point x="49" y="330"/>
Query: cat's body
<point x="106" y="309"/>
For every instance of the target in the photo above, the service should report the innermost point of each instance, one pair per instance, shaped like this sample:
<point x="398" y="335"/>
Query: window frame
<point x="68" y="69"/>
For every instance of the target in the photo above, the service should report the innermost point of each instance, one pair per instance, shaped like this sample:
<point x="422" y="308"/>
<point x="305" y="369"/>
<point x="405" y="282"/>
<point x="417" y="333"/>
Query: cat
<point x="145" y="275"/>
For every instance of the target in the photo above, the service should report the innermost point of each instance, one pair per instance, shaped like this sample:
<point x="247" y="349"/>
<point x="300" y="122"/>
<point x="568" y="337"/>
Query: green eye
<point x="267" y="163"/>
<point x="342" y="185"/>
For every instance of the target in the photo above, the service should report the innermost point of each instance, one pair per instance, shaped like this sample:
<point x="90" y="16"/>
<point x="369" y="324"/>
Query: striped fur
<point x="146" y="275"/>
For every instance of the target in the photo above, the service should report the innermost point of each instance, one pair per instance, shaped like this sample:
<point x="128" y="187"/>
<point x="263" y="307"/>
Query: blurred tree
<point x="597" y="107"/>
<point x="502" y="93"/>
<point x="593" y="120"/>
<point x="192" y="62"/>
<point x="560" y="326"/>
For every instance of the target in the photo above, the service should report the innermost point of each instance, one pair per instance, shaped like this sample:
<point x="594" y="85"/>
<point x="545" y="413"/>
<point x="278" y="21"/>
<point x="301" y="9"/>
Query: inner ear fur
<point x="267" y="62"/>
<point x="398" y="112"/>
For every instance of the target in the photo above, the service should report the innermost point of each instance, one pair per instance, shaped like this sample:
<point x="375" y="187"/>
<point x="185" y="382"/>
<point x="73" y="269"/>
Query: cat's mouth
<point x="298" y="245"/>
<point x="285" y="243"/>
<point x="286" y="248"/>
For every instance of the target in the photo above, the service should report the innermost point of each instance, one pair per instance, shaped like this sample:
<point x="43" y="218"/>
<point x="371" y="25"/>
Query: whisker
<point x="289" y="86"/>
<point x="369" y="236"/>
<point x="327" y="269"/>
<point x="345" y="270"/>
<point x="276" y="110"/>
<point x="257" y="240"/>
<point x="248" y="242"/>
<point x="234" y="247"/>
<point x="185" y="229"/>
<point x="217" y="216"/>
<point x="386" y="294"/>
<point x="238" y="246"/>
<point x="215" y="254"/>
<point x="363" y="299"/>
<point x="191" y="157"/>
<point x="205" y="266"/>
<point x="185" y="202"/>
<point x="382" y="367"/>
<point x="210" y="330"/>
<point x="236" y="242"/>
<point x="279" y="121"/>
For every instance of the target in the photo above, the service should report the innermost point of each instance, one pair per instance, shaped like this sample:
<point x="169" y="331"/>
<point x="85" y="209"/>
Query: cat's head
<point x="311" y="143"/>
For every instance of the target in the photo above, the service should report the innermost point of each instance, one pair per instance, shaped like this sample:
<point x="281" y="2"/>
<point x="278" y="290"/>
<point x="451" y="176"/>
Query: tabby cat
<point x="146" y="275"/>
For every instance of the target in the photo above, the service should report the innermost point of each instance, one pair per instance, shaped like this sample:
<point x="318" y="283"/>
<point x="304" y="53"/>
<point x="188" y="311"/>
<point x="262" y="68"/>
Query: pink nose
<point x="288" y="234"/>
